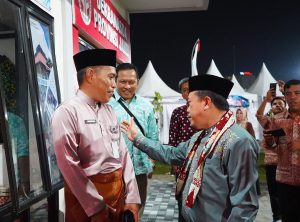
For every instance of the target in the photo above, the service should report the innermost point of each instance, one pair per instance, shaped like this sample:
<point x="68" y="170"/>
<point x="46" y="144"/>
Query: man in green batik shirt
<point x="127" y="82"/>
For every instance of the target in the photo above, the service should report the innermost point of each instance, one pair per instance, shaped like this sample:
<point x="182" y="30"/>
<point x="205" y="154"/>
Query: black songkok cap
<point x="95" y="57"/>
<point x="212" y="83"/>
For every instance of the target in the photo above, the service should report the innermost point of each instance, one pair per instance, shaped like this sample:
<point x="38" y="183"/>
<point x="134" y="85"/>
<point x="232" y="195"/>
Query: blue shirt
<point x="142" y="109"/>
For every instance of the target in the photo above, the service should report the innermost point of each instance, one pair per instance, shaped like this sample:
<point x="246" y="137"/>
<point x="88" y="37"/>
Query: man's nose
<point x="127" y="86"/>
<point x="113" y="84"/>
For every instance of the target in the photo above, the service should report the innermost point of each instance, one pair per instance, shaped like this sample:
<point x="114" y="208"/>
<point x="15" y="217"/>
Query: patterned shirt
<point x="271" y="157"/>
<point x="288" y="168"/>
<point x="143" y="111"/>
<point x="180" y="126"/>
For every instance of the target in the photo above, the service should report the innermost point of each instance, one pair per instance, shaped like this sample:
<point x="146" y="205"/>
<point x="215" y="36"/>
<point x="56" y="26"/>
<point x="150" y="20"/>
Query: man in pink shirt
<point x="99" y="178"/>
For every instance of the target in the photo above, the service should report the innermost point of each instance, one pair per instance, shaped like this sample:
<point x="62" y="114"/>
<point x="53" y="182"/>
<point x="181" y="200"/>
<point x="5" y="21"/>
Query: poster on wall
<point x="46" y="4"/>
<point x="48" y="98"/>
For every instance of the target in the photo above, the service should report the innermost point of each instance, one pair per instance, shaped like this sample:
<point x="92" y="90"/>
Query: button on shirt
<point x="88" y="141"/>
<point x="142" y="109"/>
<point x="180" y="126"/>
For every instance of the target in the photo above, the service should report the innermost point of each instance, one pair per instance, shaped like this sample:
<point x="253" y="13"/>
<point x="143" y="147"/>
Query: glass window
<point x="19" y="116"/>
<point x="84" y="45"/>
<point x="47" y="87"/>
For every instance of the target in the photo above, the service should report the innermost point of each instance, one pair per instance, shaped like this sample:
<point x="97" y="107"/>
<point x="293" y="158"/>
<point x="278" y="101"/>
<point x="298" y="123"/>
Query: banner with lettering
<point x="102" y="22"/>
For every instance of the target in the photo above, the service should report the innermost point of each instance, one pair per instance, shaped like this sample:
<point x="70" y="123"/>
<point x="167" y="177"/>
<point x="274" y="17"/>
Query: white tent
<point x="262" y="83"/>
<point x="213" y="70"/>
<point x="150" y="83"/>
<point x="239" y="91"/>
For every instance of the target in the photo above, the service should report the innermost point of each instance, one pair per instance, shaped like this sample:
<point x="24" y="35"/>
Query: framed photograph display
<point x="47" y="86"/>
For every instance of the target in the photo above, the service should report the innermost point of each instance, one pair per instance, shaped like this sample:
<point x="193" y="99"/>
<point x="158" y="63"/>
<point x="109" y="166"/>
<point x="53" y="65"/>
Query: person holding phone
<point x="278" y="105"/>
<point x="288" y="151"/>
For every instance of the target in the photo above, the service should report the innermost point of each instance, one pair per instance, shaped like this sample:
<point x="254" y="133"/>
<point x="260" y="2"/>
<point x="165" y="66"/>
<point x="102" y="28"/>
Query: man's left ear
<point x="207" y="102"/>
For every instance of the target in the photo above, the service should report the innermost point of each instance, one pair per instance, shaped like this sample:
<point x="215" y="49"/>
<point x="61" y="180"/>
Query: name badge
<point x="90" y="121"/>
<point x="115" y="149"/>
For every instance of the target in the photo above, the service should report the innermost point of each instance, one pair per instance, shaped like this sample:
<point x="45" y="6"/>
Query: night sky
<point x="245" y="33"/>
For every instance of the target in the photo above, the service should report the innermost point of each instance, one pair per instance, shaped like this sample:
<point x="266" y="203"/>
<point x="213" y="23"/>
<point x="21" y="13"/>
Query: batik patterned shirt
<point x="142" y="109"/>
<point x="288" y="167"/>
<point x="180" y="126"/>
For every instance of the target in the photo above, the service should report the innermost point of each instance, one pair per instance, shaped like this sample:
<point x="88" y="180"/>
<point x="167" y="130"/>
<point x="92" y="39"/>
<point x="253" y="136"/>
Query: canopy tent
<point x="237" y="90"/>
<point x="150" y="83"/>
<point x="262" y="83"/>
<point x="213" y="70"/>
<point x="261" y="86"/>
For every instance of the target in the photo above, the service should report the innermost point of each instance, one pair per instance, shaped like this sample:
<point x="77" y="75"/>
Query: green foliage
<point x="156" y="102"/>
<point x="161" y="168"/>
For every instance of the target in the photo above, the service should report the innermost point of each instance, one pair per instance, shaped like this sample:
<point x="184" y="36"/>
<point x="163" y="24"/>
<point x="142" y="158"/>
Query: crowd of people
<point x="106" y="142"/>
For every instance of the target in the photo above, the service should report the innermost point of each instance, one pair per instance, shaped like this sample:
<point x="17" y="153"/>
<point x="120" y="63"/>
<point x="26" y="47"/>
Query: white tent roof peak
<point x="237" y="88"/>
<point x="151" y="83"/>
<point x="262" y="83"/>
<point x="213" y="70"/>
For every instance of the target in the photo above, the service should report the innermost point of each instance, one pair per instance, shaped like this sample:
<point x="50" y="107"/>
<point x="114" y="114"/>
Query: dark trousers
<point x="142" y="182"/>
<point x="289" y="198"/>
<point x="273" y="192"/>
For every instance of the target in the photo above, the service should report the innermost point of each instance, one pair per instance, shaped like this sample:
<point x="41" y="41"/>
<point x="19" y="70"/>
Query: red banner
<point x="101" y="21"/>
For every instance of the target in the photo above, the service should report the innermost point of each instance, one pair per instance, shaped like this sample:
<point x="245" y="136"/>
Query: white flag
<point x="195" y="51"/>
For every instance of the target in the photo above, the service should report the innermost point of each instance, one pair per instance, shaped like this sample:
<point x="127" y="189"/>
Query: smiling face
<point x="127" y="83"/>
<point x="277" y="106"/>
<point x="102" y="82"/>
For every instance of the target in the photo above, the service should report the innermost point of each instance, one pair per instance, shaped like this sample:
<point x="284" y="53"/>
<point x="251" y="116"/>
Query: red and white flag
<point x="195" y="51"/>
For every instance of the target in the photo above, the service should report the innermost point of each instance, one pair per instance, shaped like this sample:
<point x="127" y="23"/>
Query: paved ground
<point x="161" y="205"/>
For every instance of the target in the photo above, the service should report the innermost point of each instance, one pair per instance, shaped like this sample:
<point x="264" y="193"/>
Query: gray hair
<point x="184" y="80"/>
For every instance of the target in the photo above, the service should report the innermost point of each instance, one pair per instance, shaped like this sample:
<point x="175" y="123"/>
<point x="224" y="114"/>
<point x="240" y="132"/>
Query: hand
<point x="281" y="84"/>
<point x="134" y="208"/>
<point x="269" y="95"/>
<point x="129" y="129"/>
<point x="269" y="140"/>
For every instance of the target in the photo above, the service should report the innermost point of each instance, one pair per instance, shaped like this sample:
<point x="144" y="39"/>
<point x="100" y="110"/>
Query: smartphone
<point x="273" y="87"/>
<point x="276" y="132"/>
